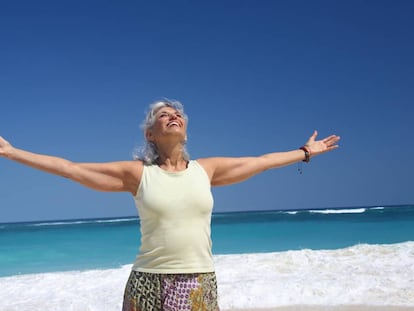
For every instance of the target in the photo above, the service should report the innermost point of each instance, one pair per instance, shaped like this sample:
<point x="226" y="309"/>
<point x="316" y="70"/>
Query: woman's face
<point x="168" y="123"/>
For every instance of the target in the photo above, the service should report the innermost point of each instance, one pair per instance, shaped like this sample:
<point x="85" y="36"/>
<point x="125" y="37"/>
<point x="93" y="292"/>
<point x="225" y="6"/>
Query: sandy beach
<point x="333" y="308"/>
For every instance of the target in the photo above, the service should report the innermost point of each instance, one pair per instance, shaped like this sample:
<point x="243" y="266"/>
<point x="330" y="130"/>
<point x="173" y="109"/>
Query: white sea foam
<point x="80" y="222"/>
<point x="339" y="211"/>
<point x="117" y="220"/>
<point x="57" y="223"/>
<point x="378" y="208"/>
<point x="292" y="212"/>
<point x="362" y="274"/>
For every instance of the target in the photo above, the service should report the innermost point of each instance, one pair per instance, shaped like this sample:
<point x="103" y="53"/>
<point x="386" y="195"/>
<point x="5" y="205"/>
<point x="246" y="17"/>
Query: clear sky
<point x="76" y="78"/>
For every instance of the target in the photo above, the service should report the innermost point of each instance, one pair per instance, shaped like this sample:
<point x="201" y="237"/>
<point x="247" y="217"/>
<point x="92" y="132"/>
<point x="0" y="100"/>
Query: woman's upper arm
<point x="110" y="176"/>
<point x="225" y="171"/>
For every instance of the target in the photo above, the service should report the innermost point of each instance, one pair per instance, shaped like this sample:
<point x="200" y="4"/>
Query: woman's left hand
<point x="317" y="147"/>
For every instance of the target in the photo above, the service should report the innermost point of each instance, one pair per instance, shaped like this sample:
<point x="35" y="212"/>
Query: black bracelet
<point x="307" y="154"/>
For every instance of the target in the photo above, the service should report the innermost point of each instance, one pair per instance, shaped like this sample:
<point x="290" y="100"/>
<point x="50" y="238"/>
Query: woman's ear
<point x="148" y="135"/>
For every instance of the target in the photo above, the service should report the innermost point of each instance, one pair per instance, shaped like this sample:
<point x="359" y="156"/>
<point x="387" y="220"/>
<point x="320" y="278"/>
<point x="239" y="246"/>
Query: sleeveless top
<point x="175" y="215"/>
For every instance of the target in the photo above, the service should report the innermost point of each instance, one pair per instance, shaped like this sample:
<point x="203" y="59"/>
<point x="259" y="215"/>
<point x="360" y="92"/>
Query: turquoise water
<point x="108" y="243"/>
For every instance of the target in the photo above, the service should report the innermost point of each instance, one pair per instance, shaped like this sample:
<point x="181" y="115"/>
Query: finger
<point x="331" y="139"/>
<point x="311" y="139"/>
<point x="328" y="148"/>
<point x="332" y="147"/>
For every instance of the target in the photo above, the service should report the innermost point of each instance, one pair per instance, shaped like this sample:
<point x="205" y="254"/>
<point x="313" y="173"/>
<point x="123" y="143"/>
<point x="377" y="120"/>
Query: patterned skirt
<point x="171" y="292"/>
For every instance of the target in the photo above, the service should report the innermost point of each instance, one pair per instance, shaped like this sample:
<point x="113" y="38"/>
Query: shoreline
<point x="331" y="308"/>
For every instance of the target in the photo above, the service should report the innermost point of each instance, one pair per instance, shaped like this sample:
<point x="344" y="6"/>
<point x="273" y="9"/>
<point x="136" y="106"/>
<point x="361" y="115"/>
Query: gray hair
<point x="149" y="153"/>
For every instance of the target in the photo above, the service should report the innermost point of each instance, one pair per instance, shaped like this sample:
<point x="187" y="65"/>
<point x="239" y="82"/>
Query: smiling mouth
<point x="174" y="123"/>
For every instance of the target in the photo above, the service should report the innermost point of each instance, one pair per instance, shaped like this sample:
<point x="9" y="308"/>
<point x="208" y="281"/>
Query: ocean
<point x="263" y="259"/>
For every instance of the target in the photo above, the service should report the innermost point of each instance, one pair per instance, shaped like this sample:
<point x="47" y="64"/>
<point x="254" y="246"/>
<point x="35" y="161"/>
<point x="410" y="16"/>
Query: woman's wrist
<point x="307" y="152"/>
<point x="6" y="152"/>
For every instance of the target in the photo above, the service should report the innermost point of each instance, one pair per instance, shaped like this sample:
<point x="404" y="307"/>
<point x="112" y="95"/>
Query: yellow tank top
<point x="175" y="214"/>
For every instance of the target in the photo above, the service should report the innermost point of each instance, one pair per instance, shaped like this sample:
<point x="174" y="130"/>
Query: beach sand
<point x="333" y="308"/>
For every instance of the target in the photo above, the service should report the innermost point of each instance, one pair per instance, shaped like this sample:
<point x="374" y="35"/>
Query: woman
<point x="174" y="268"/>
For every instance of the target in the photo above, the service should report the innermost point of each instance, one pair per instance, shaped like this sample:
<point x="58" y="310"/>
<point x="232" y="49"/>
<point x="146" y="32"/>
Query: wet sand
<point x="333" y="308"/>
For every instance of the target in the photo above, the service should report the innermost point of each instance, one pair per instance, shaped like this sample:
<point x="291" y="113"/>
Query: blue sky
<point x="76" y="78"/>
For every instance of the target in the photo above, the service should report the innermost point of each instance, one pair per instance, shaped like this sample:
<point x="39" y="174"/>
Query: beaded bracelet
<point x="307" y="154"/>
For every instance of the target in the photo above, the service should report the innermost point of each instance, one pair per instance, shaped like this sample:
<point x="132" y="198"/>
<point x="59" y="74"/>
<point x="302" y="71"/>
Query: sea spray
<point x="361" y="274"/>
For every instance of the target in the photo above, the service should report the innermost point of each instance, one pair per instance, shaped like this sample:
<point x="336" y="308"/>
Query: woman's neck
<point x="171" y="158"/>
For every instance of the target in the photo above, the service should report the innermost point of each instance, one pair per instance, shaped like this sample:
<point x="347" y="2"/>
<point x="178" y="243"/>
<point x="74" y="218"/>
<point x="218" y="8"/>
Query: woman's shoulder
<point x="133" y="173"/>
<point x="208" y="164"/>
<point x="131" y="164"/>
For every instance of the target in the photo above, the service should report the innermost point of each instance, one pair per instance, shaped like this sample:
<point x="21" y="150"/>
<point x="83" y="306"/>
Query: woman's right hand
<point x="5" y="147"/>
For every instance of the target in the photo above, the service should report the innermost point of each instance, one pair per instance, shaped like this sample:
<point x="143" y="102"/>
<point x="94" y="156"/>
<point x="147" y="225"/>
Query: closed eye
<point x="166" y="114"/>
<point x="163" y="114"/>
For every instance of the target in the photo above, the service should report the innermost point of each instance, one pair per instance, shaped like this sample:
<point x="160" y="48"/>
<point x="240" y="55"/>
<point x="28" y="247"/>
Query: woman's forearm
<point x="280" y="159"/>
<point x="51" y="164"/>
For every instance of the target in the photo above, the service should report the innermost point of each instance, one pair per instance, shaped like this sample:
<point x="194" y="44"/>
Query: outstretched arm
<point x="113" y="176"/>
<point x="225" y="171"/>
